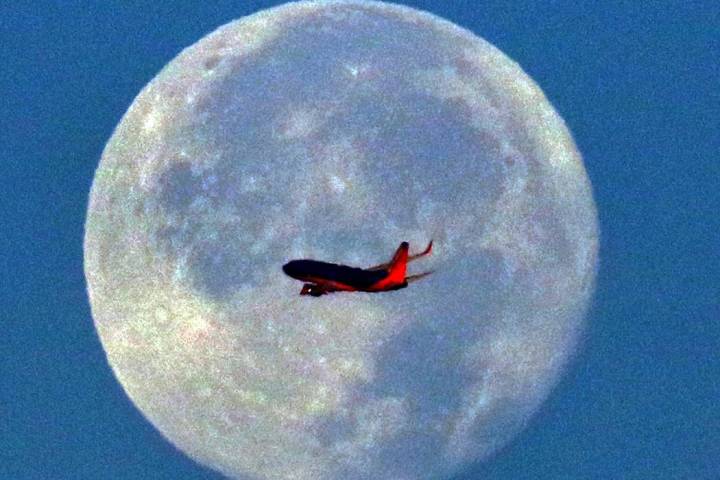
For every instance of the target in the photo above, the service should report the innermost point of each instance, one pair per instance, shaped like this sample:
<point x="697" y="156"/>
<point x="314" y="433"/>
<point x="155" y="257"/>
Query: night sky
<point x="637" y="84"/>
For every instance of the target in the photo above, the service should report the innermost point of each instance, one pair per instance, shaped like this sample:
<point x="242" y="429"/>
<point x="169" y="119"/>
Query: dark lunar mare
<point x="424" y="364"/>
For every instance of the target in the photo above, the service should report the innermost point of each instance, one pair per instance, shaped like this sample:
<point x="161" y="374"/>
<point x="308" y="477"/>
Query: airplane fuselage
<point x="324" y="277"/>
<point x="334" y="277"/>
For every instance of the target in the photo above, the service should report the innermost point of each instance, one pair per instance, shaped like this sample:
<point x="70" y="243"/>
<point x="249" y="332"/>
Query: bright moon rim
<point x="334" y="131"/>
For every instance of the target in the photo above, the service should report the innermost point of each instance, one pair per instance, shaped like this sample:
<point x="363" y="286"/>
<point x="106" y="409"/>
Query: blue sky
<point x="636" y="83"/>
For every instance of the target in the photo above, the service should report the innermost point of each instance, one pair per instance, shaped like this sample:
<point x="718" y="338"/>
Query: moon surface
<point x="334" y="131"/>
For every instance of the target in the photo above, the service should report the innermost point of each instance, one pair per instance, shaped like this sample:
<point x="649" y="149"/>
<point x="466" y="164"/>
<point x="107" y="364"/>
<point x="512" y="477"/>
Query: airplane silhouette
<point x="323" y="277"/>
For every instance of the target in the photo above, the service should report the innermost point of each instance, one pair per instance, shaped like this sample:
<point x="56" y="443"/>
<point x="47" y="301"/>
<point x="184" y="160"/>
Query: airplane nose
<point x="291" y="268"/>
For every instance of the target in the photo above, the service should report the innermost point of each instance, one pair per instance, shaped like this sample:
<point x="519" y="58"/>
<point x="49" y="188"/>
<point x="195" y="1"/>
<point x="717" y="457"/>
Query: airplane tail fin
<point x="398" y="264"/>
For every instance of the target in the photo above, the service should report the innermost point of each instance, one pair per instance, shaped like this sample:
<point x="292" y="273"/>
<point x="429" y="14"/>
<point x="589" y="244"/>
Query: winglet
<point x="427" y="250"/>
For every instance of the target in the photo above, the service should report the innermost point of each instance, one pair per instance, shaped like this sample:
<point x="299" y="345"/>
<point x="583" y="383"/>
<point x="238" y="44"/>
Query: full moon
<point x="334" y="131"/>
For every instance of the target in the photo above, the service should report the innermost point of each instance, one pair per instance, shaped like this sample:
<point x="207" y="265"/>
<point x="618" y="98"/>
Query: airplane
<point x="323" y="277"/>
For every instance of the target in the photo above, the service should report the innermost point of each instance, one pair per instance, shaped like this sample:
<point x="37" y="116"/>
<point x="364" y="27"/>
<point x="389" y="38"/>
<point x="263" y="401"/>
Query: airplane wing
<point x="414" y="278"/>
<point x="384" y="266"/>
